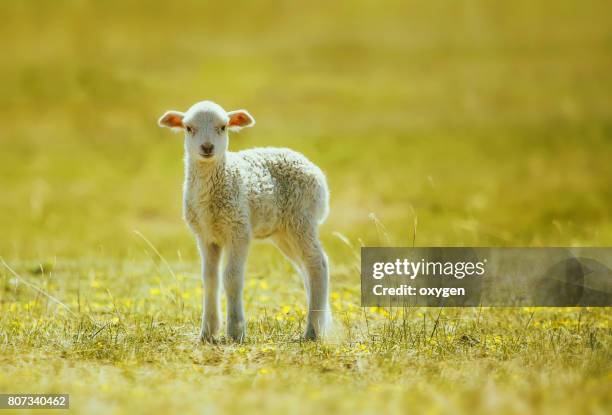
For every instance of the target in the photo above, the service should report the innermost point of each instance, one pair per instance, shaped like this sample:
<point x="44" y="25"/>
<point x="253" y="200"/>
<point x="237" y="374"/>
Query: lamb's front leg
<point x="233" y="282"/>
<point x="211" y="314"/>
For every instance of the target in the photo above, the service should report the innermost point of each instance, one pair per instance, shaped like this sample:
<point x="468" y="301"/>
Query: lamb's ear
<point x="171" y="119"/>
<point x="240" y="119"/>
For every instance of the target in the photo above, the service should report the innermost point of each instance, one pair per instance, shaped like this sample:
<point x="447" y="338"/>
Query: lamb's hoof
<point x="208" y="338"/>
<point x="236" y="338"/>
<point x="236" y="332"/>
<point x="310" y="334"/>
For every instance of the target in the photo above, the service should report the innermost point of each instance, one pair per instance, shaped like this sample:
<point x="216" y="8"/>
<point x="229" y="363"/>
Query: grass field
<point x="466" y="123"/>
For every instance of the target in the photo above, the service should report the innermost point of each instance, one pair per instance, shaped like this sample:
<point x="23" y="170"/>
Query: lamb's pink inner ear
<point x="172" y="120"/>
<point x="239" y="119"/>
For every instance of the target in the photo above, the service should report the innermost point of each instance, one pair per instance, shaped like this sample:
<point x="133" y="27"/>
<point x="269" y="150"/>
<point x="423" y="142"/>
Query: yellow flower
<point x="154" y="291"/>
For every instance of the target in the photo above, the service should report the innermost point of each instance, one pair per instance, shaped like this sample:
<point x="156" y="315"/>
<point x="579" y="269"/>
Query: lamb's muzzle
<point x="230" y="198"/>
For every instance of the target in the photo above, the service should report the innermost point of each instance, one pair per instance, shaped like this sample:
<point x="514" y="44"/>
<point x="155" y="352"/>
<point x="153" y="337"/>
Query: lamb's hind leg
<point x="317" y="274"/>
<point x="285" y="242"/>
<point x="305" y="251"/>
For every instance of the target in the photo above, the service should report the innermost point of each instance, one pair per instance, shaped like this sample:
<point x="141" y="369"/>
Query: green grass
<point x="480" y="123"/>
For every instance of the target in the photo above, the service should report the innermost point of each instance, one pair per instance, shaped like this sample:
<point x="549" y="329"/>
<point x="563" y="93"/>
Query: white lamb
<point x="231" y="197"/>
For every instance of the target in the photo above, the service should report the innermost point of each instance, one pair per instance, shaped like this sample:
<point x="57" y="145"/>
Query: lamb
<point x="231" y="197"/>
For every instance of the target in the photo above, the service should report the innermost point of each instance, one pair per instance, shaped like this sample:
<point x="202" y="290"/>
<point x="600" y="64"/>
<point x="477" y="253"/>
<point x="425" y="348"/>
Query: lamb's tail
<point x="323" y="199"/>
<point x="317" y="189"/>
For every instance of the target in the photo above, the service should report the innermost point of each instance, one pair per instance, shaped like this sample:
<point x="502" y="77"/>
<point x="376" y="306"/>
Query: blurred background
<point x="438" y="123"/>
<point x="487" y="121"/>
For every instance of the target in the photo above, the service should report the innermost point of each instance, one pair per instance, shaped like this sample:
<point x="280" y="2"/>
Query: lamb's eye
<point x="189" y="129"/>
<point x="223" y="128"/>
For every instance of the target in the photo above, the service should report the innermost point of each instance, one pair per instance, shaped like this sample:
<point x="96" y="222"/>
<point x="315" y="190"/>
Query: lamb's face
<point x="206" y="125"/>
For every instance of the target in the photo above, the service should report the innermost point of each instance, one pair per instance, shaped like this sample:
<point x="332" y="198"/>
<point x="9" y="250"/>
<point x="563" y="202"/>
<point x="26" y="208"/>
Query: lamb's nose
<point x="207" y="148"/>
